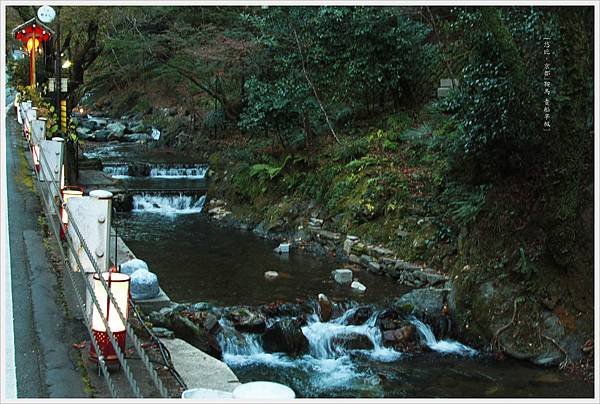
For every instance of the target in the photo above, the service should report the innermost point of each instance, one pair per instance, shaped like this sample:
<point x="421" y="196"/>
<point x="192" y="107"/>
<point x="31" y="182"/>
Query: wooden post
<point x="32" y="60"/>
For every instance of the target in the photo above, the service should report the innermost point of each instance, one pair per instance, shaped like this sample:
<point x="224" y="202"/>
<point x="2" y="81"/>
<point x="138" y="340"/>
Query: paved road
<point x="42" y="332"/>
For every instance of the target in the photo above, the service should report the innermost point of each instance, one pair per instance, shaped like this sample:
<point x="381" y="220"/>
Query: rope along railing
<point x="120" y="356"/>
<point x="69" y="270"/>
<point x="164" y="352"/>
<point x="135" y="341"/>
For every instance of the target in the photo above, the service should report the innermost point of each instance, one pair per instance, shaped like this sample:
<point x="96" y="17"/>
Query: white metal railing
<point x="52" y="199"/>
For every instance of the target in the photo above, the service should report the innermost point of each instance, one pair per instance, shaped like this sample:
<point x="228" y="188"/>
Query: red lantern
<point x="32" y="34"/>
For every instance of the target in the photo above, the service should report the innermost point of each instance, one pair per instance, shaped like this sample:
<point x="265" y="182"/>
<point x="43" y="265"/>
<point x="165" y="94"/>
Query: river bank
<point x="310" y="227"/>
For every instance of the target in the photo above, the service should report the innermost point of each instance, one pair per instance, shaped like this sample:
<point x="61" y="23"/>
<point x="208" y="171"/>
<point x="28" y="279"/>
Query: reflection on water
<point x="197" y="260"/>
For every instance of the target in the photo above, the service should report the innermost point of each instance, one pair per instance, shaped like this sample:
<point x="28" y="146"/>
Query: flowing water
<point x="196" y="260"/>
<point x="117" y="170"/>
<point x="179" y="171"/>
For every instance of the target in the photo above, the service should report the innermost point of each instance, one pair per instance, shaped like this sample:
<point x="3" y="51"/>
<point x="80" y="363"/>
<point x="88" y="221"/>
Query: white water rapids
<point x="328" y="365"/>
<point x="162" y="171"/>
<point x="117" y="170"/>
<point x="168" y="205"/>
<point x="176" y="172"/>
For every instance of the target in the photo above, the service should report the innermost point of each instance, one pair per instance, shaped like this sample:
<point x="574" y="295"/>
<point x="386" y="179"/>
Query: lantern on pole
<point x="32" y="33"/>
<point x="118" y="286"/>
<point x="67" y="193"/>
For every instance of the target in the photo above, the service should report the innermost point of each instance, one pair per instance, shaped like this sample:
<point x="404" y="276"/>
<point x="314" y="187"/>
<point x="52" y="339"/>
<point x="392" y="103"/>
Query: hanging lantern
<point x="118" y="285"/>
<point x="67" y="193"/>
<point x="32" y="34"/>
<point x="30" y="44"/>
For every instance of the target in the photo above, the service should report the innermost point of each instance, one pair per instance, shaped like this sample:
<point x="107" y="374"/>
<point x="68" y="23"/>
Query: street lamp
<point x="118" y="286"/>
<point x="32" y="33"/>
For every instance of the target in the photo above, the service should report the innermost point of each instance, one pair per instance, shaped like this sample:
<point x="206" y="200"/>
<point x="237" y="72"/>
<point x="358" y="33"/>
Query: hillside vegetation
<point x="332" y="111"/>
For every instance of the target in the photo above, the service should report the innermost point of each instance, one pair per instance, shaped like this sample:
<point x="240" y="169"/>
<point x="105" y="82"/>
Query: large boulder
<point x="353" y="341"/>
<point x="285" y="336"/>
<point x="278" y="309"/>
<point x="403" y="339"/>
<point x="360" y="315"/>
<point x="89" y="124"/>
<point x="101" y="135"/>
<point x="424" y="303"/>
<point x="117" y="129"/>
<point x="144" y="285"/>
<point x="98" y="122"/>
<point x="83" y="133"/>
<point x="136" y="126"/>
<point x="245" y="320"/>
<point x="199" y="330"/>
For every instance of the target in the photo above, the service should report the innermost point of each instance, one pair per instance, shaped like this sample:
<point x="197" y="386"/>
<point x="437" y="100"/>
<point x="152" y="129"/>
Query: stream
<point x="198" y="261"/>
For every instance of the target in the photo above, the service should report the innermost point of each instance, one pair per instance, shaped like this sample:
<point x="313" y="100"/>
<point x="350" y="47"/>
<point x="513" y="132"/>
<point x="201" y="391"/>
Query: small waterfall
<point x="117" y="170"/>
<point x="323" y="337"/>
<point x="446" y="346"/>
<point x="328" y="364"/>
<point x="196" y="171"/>
<point x="168" y="205"/>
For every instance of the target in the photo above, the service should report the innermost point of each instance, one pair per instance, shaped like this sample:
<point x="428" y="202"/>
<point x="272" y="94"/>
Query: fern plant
<point x="466" y="210"/>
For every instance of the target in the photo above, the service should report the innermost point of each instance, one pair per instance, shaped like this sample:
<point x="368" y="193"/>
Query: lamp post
<point x="118" y="286"/>
<point x="32" y="34"/>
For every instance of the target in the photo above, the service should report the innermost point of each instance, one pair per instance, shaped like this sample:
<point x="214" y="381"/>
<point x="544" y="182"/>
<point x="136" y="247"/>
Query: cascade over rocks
<point x="245" y="320"/>
<point x="360" y="315"/>
<point x="402" y="339"/>
<point x="353" y="341"/>
<point x="285" y="336"/>
<point x="198" y="328"/>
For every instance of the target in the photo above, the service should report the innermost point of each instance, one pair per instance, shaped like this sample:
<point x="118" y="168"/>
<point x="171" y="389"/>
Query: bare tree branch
<point x="310" y="83"/>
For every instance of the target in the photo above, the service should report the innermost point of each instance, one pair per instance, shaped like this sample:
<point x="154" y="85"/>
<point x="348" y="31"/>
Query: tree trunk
<point x="71" y="164"/>
<point x="308" y="132"/>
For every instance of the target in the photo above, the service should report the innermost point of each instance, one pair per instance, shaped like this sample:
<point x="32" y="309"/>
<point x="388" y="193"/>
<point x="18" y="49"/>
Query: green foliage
<point x="267" y="171"/>
<point x="466" y="210"/>
<point x="524" y="266"/>
<point x="215" y="119"/>
<point x="347" y="53"/>
<point x="361" y="164"/>
<point x="494" y="102"/>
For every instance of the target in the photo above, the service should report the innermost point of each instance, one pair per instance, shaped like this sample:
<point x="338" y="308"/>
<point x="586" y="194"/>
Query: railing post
<point x="92" y="217"/>
<point x="51" y="167"/>
<point x="37" y="135"/>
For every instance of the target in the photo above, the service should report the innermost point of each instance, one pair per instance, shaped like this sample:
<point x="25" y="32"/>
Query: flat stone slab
<point x="198" y="369"/>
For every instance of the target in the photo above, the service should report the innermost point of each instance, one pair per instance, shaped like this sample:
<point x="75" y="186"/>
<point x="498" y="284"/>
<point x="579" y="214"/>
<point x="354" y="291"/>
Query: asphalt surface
<point x="43" y="332"/>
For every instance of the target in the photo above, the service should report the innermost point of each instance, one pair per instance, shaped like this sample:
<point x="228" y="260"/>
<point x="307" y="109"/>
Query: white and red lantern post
<point x="118" y="286"/>
<point x="67" y="193"/>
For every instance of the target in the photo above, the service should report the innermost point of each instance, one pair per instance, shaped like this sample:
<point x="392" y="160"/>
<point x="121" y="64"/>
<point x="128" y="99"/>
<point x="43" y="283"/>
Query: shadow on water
<point x="197" y="260"/>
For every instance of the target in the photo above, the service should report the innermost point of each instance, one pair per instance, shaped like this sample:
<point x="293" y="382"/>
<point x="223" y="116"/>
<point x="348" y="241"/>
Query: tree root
<point x="567" y="360"/>
<point x="496" y="345"/>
